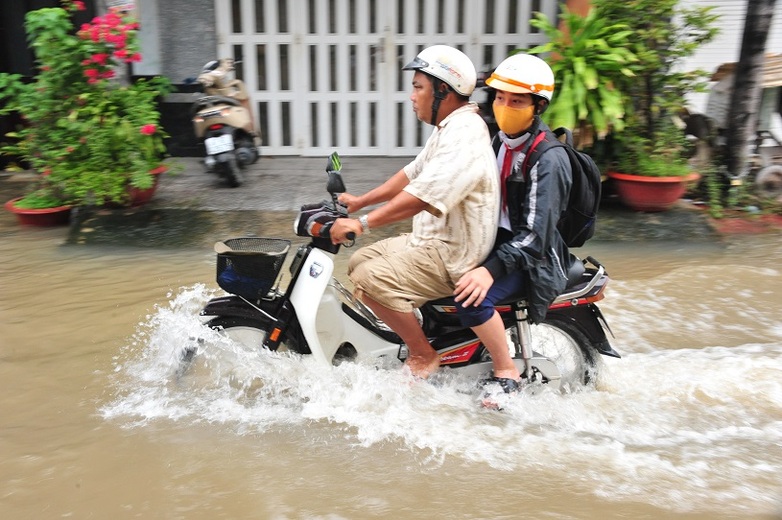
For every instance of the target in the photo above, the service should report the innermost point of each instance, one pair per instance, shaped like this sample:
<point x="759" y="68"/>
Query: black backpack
<point x="577" y="223"/>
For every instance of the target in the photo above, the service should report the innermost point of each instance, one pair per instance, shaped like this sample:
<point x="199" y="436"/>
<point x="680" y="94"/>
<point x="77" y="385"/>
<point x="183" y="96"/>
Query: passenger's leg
<point x="488" y="326"/>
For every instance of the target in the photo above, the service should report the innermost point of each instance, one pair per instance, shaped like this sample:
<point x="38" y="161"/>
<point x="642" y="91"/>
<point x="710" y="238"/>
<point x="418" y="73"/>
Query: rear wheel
<point x="568" y="348"/>
<point x="233" y="174"/>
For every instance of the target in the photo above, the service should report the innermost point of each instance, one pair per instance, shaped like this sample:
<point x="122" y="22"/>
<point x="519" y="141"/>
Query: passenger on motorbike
<point x="531" y="258"/>
<point x="451" y="189"/>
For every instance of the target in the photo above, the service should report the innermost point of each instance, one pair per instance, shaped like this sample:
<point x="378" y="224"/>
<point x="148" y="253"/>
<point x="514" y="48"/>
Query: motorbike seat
<point x="211" y="101"/>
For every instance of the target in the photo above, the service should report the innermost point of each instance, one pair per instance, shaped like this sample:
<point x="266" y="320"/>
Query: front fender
<point x="233" y="307"/>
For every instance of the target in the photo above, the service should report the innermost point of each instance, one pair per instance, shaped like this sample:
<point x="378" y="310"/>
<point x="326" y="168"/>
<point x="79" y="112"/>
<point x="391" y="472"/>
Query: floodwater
<point x="96" y="423"/>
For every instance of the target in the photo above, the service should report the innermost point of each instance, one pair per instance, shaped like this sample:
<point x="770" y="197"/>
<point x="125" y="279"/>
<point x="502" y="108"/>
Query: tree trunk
<point x="745" y="98"/>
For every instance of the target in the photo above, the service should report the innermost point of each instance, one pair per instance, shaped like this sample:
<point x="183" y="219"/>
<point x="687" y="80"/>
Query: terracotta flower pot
<point x="138" y="196"/>
<point x="58" y="216"/>
<point x="650" y="194"/>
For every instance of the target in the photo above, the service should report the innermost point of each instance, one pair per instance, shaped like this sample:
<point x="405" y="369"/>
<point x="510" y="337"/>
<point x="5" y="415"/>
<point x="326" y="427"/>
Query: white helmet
<point x="523" y="73"/>
<point x="448" y="64"/>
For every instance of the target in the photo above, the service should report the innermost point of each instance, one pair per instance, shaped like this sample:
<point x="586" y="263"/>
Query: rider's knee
<point x="474" y="316"/>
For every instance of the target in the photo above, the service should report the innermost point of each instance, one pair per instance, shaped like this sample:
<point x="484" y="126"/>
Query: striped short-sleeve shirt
<point x="456" y="175"/>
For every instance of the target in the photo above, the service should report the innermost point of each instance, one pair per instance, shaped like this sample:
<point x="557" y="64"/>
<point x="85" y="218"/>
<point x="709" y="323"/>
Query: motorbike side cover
<point x="323" y="322"/>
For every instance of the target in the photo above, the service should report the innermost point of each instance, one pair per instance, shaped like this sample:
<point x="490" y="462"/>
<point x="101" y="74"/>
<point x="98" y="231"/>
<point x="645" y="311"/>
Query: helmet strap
<point x="538" y="101"/>
<point x="439" y="95"/>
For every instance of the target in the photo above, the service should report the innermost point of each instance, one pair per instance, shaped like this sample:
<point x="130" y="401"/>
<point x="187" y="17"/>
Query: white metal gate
<point x="326" y="75"/>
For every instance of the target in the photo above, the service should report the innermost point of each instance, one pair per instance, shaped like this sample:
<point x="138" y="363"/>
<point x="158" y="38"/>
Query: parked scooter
<point x="223" y="120"/>
<point x="317" y="315"/>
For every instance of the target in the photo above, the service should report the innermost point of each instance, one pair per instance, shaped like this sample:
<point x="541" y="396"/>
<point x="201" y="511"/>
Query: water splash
<point x="683" y="426"/>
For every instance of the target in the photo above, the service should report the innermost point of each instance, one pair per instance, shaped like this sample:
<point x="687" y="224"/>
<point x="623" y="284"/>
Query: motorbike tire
<point x="252" y="333"/>
<point x="568" y="348"/>
<point x="233" y="174"/>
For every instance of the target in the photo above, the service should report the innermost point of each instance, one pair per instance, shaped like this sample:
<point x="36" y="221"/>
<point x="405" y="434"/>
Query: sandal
<point x="509" y="386"/>
<point x="489" y="399"/>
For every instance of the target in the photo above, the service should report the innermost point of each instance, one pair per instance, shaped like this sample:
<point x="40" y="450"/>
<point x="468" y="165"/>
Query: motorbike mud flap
<point x="587" y="318"/>
<point x="310" y="287"/>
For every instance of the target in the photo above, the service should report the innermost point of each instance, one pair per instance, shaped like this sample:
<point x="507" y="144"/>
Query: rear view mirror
<point x="333" y="168"/>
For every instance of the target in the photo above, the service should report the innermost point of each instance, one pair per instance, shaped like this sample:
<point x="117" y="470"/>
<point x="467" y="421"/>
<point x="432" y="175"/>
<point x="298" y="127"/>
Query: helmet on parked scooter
<point x="522" y="74"/>
<point x="449" y="65"/>
<point x="210" y="66"/>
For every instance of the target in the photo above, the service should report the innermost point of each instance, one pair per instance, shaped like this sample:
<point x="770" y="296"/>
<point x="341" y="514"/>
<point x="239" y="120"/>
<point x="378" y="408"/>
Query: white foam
<point x="683" y="426"/>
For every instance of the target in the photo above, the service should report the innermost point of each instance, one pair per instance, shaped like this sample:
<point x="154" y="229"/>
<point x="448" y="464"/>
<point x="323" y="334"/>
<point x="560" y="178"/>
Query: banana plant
<point x="587" y="54"/>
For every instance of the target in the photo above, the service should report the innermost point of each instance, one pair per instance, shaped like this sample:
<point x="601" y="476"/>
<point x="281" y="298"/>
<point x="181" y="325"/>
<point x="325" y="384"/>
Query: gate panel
<point x="326" y="75"/>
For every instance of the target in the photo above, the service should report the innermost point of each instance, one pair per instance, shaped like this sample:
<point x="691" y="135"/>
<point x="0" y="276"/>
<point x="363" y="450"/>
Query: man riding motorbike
<point x="451" y="189"/>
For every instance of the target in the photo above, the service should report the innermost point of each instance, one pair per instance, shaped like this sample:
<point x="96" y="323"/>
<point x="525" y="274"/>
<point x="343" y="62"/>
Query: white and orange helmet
<point x="522" y="74"/>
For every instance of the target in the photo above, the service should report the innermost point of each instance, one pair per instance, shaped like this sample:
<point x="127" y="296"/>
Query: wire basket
<point x="249" y="267"/>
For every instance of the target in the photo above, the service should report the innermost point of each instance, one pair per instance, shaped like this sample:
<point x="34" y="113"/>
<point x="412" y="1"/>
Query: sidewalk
<point x="271" y="184"/>
<point x="286" y="183"/>
<point x="192" y="206"/>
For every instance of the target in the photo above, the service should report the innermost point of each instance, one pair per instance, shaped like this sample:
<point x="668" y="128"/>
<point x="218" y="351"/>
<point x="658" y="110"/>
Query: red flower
<point x="100" y="58"/>
<point x="148" y="129"/>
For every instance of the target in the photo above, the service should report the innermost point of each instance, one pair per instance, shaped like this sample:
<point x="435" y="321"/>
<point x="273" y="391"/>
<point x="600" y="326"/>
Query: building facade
<point x="326" y="75"/>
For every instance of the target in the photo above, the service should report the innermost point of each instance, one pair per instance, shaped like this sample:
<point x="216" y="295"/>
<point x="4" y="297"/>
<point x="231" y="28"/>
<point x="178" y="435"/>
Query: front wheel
<point x="249" y="333"/>
<point x="252" y="333"/>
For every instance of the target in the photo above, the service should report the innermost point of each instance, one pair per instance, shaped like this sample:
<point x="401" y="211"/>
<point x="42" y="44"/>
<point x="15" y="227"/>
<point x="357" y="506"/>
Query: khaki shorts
<point x="399" y="276"/>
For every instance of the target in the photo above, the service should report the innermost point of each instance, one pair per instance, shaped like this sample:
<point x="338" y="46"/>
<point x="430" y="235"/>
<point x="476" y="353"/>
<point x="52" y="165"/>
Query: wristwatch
<point x="364" y="220"/>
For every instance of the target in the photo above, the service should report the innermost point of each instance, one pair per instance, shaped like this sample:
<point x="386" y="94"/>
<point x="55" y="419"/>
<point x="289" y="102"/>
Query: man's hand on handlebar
<point x="351" y="202"/>
<point x="342" y="227"/>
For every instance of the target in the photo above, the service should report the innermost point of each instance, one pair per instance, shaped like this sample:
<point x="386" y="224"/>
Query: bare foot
<point x="422" y="367"/>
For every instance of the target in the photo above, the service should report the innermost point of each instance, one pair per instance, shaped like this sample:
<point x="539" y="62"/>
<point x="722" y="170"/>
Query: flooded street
<point x="96" y="424"/>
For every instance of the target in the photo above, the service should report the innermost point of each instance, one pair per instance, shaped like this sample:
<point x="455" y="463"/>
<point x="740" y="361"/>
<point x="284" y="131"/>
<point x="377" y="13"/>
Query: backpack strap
<point x="536" y="150"/>
<point x="496" y="143"/>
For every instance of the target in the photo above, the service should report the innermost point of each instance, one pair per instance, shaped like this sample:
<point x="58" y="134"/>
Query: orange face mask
<point x="513" y="121"/>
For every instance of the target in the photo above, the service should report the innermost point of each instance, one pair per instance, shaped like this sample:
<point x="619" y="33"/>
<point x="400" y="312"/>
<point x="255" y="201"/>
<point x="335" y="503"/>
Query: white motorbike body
<point x="325" y="325"/>
<point x="317" y="315"/>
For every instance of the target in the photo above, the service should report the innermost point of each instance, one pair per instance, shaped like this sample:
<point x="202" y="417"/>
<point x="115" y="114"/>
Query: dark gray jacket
<point x="535" y="204"/>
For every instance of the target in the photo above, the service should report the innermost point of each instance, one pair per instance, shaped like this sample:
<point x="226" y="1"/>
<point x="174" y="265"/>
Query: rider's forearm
<point x="386" y="191"/>
<point x="401" y="207"/>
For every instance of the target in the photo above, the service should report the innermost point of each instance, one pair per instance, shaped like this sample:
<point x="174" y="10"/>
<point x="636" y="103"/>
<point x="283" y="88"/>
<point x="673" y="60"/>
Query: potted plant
<point x="649" y="153"/>
<point x="587" y="54"/>
<point x="90" y="139"/>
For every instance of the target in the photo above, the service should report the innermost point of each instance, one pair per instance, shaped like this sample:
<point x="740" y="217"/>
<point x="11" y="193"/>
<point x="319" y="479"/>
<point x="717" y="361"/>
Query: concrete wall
<point x="187" y="38"/>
